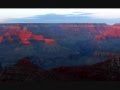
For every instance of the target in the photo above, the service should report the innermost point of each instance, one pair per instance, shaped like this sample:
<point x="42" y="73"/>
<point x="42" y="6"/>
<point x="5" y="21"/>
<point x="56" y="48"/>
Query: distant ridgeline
<point x="100" y="31"/>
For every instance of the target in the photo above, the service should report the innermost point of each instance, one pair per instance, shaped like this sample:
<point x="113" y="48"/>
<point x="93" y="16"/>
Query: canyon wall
<point x="24" y="34"/>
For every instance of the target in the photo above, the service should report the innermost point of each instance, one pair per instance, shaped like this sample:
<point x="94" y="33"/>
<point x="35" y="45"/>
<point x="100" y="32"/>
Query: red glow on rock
<point x="49" y="40"/>
<point x="38" y="37"/>
<point x="111" y="33"/>
<point x="24" y="35"/>
<point x="1" y="39"/>
<point x="99" y="37"/>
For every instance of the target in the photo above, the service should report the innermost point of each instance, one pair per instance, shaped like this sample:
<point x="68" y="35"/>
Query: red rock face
<point x="49" y="41"/>
<point x="24" y="35"/>
<point x="113" y="32"/>
<point x="1" y="39"/>
<point x="38" y="37"/>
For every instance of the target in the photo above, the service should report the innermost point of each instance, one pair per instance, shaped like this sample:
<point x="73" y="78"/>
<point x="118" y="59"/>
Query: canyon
<point x="61" y="44"/>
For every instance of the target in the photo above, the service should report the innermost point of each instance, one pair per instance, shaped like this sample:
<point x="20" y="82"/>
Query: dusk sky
<point x="109" y="16"/>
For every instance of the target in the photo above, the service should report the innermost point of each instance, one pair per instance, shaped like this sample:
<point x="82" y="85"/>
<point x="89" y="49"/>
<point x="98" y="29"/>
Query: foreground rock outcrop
<point x="24" y="70"/>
